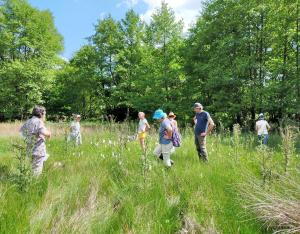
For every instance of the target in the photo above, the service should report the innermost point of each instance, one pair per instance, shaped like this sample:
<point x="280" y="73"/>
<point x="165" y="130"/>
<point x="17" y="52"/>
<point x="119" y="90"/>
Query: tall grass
<point x="108" y="185"/>
<point x="278" y="208"/>
<point x="289" y="135"/>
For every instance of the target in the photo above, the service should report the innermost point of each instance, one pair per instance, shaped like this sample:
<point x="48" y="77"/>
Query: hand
<point x="48" y="135"/>
<point x="203" y="134"/>
<point x="166" y="137"/>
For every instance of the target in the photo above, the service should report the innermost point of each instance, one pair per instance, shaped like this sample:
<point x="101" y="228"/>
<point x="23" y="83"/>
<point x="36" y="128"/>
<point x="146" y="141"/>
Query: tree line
<point x="240" y="58"/>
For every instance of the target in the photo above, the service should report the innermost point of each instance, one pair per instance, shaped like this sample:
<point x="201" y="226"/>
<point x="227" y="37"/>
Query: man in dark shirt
<point x="203" y="126"/>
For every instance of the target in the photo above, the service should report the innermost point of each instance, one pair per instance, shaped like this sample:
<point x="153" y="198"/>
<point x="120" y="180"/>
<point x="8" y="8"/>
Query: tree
<point x="129" y="60"/>
<point x="78" y="88"/>
<point x="161" y="75"/>
<point x="108" y="43"/>
<point x="29" y="43"/>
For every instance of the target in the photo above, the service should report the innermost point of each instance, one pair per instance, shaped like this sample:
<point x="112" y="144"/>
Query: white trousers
<point x="75" y="137"/>
<point x="166" y="151"/>
<point x="37" y="164"/>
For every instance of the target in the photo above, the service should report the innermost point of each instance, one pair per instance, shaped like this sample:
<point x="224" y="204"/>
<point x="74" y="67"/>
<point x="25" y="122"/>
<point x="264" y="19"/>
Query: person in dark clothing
<point x="203" y="126"/>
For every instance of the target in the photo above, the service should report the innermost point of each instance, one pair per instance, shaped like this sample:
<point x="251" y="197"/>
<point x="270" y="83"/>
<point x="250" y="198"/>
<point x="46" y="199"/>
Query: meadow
<point x="107" y="185"/>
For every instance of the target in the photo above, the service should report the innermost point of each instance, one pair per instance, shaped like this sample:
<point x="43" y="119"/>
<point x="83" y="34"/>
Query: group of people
<point x="169" y="130"/>
<point x="35" y="133"/>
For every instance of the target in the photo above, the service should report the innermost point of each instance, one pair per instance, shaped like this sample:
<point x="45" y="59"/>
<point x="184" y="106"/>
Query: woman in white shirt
<point x="262" y="128"/>
<point x="75" y="134"/>
<point x="143" y="126"/>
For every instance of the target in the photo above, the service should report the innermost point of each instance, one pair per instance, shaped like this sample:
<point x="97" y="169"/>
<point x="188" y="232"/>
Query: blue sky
<point x="75" y="19"/>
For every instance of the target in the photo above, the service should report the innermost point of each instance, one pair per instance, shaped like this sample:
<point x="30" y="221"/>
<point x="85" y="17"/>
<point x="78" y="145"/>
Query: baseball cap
<point x="198" y="105"/>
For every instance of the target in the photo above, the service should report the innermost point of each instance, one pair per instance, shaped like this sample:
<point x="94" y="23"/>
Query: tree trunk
<point x="261" y="58"/>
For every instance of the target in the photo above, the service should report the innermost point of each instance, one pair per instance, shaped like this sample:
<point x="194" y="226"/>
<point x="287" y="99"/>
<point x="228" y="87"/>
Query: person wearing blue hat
<point x="262" y="128"/>
<point x="165" y="146"/>
<point x="203" y="126"/>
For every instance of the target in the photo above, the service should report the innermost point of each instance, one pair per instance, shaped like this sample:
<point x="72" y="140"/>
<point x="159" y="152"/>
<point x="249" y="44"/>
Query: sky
<point x="75" y="19"/>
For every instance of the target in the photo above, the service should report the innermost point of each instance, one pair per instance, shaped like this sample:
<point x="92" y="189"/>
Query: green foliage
<point x="245" y="56"/>
<point x="103" y="186"/>
<point x="24" y="176"/>
<point x="238" y="59"/>
<point x="29" y="43"/>
<point x="128" y="66"/>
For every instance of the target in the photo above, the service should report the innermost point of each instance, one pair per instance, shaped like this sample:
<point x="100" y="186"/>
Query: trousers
<point x="200" y="142"/>
<point x="166" y="151"/>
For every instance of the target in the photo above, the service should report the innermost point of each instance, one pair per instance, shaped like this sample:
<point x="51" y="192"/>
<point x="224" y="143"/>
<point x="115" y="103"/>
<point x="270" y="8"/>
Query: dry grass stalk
<point x="279" y="210"/>
<point x="288" y="135"/>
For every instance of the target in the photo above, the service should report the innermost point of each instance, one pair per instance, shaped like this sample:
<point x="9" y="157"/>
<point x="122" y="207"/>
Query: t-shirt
<point x="75" y="127"/>
<point x="163" y="131"/>
<point x="201" y="122"/>
<point x="32" y="131"/>
<point x="262" y="127"/>
<point x="142" y="125"/>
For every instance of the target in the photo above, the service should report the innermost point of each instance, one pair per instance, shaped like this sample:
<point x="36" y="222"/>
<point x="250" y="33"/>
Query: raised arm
<point x="46" y="132"/>
<point x="43" y="130"/>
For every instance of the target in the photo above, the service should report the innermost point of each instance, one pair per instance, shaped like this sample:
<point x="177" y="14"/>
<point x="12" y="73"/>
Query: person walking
<point x="75" y="133"/>
<point x="203" y="126"/>
<point x="262" y="128"/>
<point x="35" y="133"/>
<point x="143" y="126"/>
<point x="176" y="135"/>
<point x="172" y="117"/>
<point x="165" y="145"/>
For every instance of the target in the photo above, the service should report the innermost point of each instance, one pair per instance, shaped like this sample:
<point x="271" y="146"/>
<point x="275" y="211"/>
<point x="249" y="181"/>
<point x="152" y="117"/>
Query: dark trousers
<point x="200" y="142"/>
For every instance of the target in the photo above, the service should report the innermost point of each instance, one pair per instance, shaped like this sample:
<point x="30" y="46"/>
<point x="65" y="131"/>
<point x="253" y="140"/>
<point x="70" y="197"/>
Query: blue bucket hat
<point x="159" y="114"/>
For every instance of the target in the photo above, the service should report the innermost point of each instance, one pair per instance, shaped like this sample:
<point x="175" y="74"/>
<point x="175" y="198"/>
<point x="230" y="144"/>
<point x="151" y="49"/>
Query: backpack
<point x="176" y="138"/>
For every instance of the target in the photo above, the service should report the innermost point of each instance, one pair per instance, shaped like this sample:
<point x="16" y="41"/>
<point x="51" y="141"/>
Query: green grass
<point x="105" y="186"/>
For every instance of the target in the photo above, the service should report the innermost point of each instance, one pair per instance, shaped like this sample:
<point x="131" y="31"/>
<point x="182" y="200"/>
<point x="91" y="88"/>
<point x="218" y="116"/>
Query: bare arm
<point x="268" y="126"/>
<point x="194" y="119"/>
<point x="169" y="133"/>
<point x="147" y="125"/>
<point x="211" y="125"/>
<point x="45" y="132"/>
<point x="175" y="123"/>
